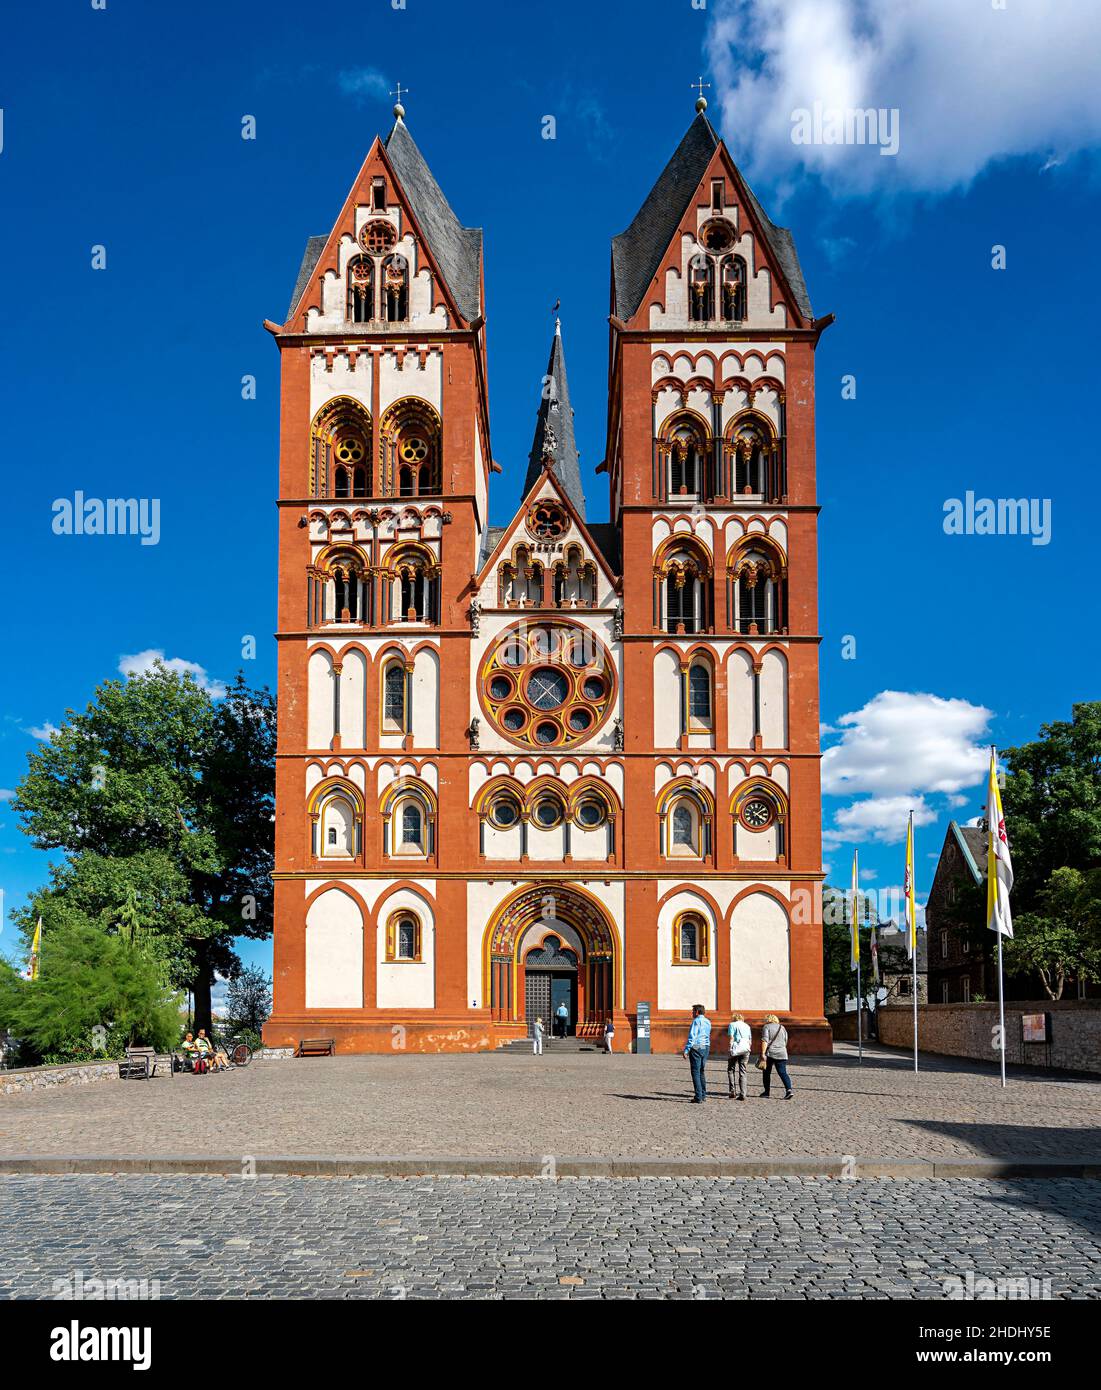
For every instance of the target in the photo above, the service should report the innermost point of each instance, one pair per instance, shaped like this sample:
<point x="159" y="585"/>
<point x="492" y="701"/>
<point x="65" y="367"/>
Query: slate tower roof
<point x="637" y="252"/>
<point x="554" y="437"/>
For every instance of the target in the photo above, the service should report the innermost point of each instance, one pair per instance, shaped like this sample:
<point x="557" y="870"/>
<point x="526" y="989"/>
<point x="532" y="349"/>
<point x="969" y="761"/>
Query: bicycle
<point x="240" y="1054"/>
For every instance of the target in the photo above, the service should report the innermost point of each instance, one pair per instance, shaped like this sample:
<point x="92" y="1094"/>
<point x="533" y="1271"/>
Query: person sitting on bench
<point x="216" y="1056"/>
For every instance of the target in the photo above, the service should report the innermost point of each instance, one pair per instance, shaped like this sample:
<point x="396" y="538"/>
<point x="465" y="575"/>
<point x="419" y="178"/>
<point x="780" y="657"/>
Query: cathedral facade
<point x="554" y="763"/>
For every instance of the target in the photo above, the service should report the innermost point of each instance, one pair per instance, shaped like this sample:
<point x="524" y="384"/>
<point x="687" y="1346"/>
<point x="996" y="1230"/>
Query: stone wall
<point x="967" y="1030"/>
<point x="71" y="1074"/>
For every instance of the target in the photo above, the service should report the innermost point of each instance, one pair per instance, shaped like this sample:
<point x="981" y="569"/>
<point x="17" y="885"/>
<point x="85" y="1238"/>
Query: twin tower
<point x="560" y="767"/>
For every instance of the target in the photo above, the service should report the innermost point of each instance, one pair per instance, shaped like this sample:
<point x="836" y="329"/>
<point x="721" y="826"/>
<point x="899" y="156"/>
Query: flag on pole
<point x="909" y="892"/>
<point x="36" y="950"/>
<point x="999" y="866"/>
<point x="854" y="954"/>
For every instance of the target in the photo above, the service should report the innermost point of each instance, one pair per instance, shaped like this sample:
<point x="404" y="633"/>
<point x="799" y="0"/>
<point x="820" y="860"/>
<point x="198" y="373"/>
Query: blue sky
<point x="121" y="129"/>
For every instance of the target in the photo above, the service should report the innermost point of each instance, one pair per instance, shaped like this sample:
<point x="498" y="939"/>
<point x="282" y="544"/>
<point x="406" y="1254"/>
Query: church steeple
<point x="554" y="441"/>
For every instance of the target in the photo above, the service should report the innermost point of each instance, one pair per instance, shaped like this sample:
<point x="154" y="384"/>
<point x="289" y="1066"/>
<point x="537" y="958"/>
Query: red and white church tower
<point x="557" y="763"/>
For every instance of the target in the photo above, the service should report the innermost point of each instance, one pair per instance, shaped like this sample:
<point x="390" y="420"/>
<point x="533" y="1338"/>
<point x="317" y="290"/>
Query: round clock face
<point x="547" y="684"/>
<point x="756" y="814"/>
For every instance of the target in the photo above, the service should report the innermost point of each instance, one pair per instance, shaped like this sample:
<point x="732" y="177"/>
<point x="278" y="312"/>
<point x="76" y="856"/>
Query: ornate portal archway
<point x="523" y="922"/>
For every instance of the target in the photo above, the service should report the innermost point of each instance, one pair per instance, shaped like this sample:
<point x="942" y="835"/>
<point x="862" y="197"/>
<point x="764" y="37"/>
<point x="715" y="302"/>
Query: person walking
<point x="774" y="1053"/>
<point x="537" y="1038"/>
<point x="562" y="1016"/>
<point x="609" y="1035"/>
<point x="741" y="1040"/>
<point x="696" y="1049"/>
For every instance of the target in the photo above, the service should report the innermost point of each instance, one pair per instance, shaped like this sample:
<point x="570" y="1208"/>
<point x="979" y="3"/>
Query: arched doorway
<point x="524" y="924"/>
<point x="550" y="984"/>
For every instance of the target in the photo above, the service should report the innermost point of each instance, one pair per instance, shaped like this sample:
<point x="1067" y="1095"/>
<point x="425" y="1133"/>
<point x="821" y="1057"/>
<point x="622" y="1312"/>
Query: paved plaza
<point x="526" y="1238"/>
<point x="581" y="1104"/>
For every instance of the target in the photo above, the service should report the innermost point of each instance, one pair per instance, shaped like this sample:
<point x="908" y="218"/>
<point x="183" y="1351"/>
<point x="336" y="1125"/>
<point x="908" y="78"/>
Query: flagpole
<point x="997" y="891"/>
<point x="911" y="931"/>
<point x="859" y="1006"/>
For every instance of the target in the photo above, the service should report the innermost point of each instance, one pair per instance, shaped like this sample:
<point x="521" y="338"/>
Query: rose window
<point x="548" y="520"/>
<point x="547" y="684"/>
<point x="377" y="237"/>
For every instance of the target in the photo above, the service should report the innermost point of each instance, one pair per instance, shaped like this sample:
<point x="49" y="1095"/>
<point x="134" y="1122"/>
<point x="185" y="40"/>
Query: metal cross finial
<point x="701" y="100"/>
<point x="399" y="109"/>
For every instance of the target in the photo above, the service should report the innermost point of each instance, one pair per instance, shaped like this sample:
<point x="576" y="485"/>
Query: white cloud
<point x="972" y="84"/>
<point x="898" y="750"/>
<point x="6" y="794"/>
<point x="362" y="83"/>
<point x="43" y="731"/>
<point x="142" y="662"/>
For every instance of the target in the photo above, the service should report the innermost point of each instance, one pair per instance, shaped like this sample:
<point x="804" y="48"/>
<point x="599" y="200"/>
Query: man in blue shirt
<point x="696" y="1049"/>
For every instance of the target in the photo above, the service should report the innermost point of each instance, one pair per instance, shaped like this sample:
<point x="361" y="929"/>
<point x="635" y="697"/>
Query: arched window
<point x="683" y="591"/>
<point x="403" y="937"/>
<point x="414" y="586"/>
<point x="336" y="823"/>
<point x="699" y="696"/>
<point x="395" y="288"/>
<point x="361" y="289"/>
<point x="412" y="464"/>
<point x="759" y="810"/>
<point x="733" y="288"/>
<point x="701" y="289"/>
<point x="340" y="457"/>
<point x="687" y="451"/>
<point x="395" y="704"/>
<point x="685" y="820"/>
<point x="408" y="821"/>
<point x="756" y="598"/>
<point x="691" y="940"/>
<point x="750" y="444"/>
<point x="340" y="574"/>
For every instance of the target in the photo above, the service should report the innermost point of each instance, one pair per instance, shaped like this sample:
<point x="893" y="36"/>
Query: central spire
<point x="554" y="445"/>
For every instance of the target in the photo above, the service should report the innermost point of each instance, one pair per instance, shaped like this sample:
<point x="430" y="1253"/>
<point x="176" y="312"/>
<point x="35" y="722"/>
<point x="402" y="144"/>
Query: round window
<point x="513" y="654"/>
<point x="547" y="812"/>
<point x="547" y="688"/>
<point x="504" y="812"/>
<point x="500" y="687"/>
<point x="590" y="814"/>
<point x="580" y="719"/>
<point x="546" y="732"/>
<point x="514" y="720"/>
<point x="593" y="687"/>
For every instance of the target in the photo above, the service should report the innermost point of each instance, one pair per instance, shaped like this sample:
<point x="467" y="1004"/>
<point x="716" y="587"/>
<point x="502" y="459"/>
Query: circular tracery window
<point x="548" y="520"/>
<point x="717" y="236"/>
<point x="537" y="690"/>
<point x="349" y="448"/>
<point x="377" y="237"/>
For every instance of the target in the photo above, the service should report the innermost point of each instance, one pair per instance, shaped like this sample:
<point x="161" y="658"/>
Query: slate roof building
<point x="554" y="761"/>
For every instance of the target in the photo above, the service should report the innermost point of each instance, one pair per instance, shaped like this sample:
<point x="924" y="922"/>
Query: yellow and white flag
<point x="999" y="866"/>
<point x="36" y="950"/>
<point x="854" y="953"/>
<point x="909" y="892"/>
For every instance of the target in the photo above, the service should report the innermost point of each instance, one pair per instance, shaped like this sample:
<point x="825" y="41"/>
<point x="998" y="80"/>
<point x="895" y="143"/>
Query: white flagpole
<point x="911" y="932"/>
<point x="993" y="830"/>
<point x="859" y="1006"/>
<point x="1001" y="1006"/>
<point x="913" y="990"/>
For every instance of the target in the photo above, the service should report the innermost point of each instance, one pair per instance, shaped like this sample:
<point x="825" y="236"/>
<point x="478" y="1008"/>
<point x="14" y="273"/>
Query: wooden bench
<point x="316" y="1047"/>
<point x="140" y="1064"/>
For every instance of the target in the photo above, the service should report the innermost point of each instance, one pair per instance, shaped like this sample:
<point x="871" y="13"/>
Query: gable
<point x="445" y="258"/>
<point x="676" y="208"/>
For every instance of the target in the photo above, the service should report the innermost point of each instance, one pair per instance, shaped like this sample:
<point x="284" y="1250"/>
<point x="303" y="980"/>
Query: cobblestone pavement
<point x="523" y="1238"/>
<point x="580" y="1105"/>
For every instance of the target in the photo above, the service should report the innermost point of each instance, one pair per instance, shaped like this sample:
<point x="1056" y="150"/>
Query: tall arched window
<point x="687" y="451"/>
<point x="414" y="587"/>
<point x="408" y="821"/>
<point x="750" y="444"/>
<point x="395" y="703"/>
<point x="361" y="289"/>
<point x="341" y="574"/>
<point x="337" y="823"/>
<point x="403" y="937"/>
<point x="683" y="572"/>
<point x="699" y="696"/>
<point x="701" y="289"/>
<point x="340" y="450"/>
<point x="395" y="288"/>
<point x="691" y="940"/>
<point x="685" y="819"/>
<point x="412" y="464"/>
<point x="757" y="595"/>
<point x="733" y="288"/>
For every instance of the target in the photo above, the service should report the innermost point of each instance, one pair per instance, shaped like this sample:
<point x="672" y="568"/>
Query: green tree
<point x="88" y="981"/>
<point x="1063" y="935"/>
<point x="838" y="976"/>
<point x="162" y="800"/>
<point x="248" y="1000"/>
<point x="1052" y="802"/>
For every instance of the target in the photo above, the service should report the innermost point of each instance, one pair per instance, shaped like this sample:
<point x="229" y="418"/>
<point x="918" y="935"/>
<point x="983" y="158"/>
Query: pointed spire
<point x="554" y="441"/>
